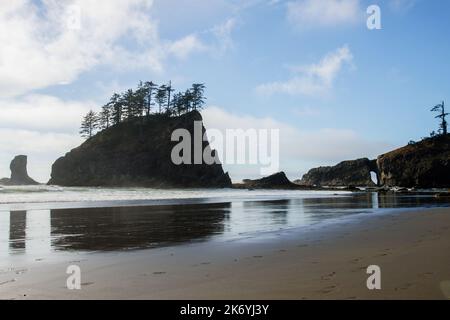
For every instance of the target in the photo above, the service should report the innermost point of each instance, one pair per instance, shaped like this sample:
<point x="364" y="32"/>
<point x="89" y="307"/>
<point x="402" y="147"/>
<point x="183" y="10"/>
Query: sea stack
<point x="137" y="153"/>
<point x="347" y="173"/>
<point x="19" y="174"/>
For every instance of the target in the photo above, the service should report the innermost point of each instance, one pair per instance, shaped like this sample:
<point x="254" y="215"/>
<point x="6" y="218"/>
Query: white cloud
<point x="185" y="46"/>
<point x="42" y="113"/>
<point x="42" y="149"/>
<point x="223" y="34"/>
<point x="305" y="14"/>
<point x="40" y="126"/>
<point x="312" y="79"/>
<point x="40" y="46"/>
<point x="300" y="149"/>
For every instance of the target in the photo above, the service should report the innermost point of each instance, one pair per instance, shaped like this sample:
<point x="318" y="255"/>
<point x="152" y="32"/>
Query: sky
<point x="312" y="69"/>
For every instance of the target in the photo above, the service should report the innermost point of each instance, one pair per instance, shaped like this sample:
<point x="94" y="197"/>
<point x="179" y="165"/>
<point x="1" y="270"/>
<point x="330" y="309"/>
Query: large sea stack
<point x="424" y="164"/>
<point x="347" y="173"/>
<point x="137" y="153"/>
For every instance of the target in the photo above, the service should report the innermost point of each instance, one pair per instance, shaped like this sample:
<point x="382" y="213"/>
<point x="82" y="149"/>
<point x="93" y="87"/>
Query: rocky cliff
<point x="274" y="181"/>
<point x="19" y="173"/>
<point x="346" y="173"/>
<point x="137" y="153"/>
<point x="424" y="164"/>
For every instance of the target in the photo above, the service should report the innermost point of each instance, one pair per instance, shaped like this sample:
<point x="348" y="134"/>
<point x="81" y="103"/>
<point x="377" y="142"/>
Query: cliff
<point x="424" y="164"/>
<point x="274" y="181"/>
<point x="19" y="173"/>
<point x="137" y="153"/>
<point x="346" y="173"/>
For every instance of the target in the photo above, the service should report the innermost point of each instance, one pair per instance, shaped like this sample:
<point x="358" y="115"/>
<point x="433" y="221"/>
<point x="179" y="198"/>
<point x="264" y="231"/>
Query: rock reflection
<point x="135" y="227"/>
<point x="17" y="231"/>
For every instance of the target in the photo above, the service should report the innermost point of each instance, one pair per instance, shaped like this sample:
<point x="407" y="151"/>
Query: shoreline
<point x="412" y="249"/>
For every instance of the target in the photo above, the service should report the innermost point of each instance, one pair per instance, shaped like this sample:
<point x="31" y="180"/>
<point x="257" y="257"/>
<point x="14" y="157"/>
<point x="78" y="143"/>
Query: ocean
<point x="43" y="221"/>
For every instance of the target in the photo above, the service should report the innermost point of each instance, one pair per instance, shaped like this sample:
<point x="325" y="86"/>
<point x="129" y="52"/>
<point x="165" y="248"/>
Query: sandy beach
<point x="325" y="261"/>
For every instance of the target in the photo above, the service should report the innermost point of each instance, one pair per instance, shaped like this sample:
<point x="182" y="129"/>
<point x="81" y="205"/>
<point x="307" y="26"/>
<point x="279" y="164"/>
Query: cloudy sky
<point x="310" y="68"/>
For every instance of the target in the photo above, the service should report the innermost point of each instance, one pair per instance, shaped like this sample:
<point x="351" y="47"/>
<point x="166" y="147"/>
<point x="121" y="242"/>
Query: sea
<point x="43" y="221"/>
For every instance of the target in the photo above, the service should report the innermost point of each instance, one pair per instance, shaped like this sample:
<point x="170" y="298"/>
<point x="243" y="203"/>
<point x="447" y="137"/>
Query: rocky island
<point x="19" y="173"/>
<point x="423" y="164"/>
<point x="137" y="153"/>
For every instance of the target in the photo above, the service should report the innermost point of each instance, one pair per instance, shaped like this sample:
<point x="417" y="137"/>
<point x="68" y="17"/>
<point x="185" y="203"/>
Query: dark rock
<point x="137" y="153"/>
<point x="19" y="174"/>
<point x="275" y="181"/>
<point x="347" y="173"/>
<point x="425" y="164"/>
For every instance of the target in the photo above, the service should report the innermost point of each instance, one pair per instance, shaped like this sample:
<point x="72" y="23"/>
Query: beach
<point x="323" y="261"/>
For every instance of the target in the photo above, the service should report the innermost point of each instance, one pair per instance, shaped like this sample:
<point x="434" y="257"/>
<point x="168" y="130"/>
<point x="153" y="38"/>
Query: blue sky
<point x="334" y="88"/>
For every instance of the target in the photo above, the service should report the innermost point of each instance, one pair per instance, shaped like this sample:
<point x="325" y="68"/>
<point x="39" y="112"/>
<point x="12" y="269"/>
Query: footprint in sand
<point x="87" y="283"/>
<point x="8" y="281"/>
<point x="381" y="255"/>
<point x="328" y="276"/>
<point x="328" y="289"/>
<point x="21" y="271"/>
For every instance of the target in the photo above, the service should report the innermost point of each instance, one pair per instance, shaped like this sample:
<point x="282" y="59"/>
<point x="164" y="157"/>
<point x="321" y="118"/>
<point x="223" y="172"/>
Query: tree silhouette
<point x="177" y="103"/>
<point x="150" y="89"/>
<point x="169" y="92"/>
<point x="89" y="124"/>
<point x="104" y="118"/>
<point x="198" y="100"/>
<point x="441" y="109"/>
<point x="134" y="104"/>
<point x="187" y="100"/>
<point x="129" y="103"/>
<point x="161" y="97"/>
<point x="116" y="106"/>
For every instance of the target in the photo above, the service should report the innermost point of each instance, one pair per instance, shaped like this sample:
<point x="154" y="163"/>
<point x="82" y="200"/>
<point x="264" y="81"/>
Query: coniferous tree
<point x="187" y="100"/>
<point x="116" y="106"/>
<point x="177" y="103"/>
<point x="442" y="115"/>
<point x="140" y="100"/>
<point x="198" y="100"/>
<point x="161" y="97"/>
<point x="128" y="100"/>
<point x="150" y="90"/>
<point x="89" y="124"/>
<point x="104" y="117"/>
<point x="169" y="92"/>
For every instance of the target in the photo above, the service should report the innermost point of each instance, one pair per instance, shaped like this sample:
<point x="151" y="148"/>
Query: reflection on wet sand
<point x="135" y="227"/>
<point x="17" y="227"/>
<point x="118" y="228"/>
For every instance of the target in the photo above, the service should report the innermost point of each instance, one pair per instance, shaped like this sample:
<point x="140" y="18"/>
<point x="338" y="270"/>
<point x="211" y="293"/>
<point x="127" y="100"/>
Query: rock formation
<point x="275" y="181"/>
<point x="424" y="164"/>
<point x="347" y="173"/>
<point x="19" y="174"/>
<point x="137" y="153"/>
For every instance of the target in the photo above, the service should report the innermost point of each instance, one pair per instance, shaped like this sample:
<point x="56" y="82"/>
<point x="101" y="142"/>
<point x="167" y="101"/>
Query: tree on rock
<point x="161" y="97"/>
<point x="89" y="124"/>
<point x="198" y="99"/>
<point x="104" y="117"/>
<point x="442" y="114"/>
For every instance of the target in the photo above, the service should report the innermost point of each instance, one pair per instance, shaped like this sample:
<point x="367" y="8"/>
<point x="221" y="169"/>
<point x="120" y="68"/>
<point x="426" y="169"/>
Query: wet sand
<point x="323" y="262"/>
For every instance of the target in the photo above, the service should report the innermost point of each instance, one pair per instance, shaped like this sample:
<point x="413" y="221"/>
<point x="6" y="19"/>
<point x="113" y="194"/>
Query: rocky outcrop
<point x="275" y="181"/>
<point x="347" y="173"/>
<point x="19" y="173"/>
<point x="424" y="164"/>
<point x="137" y="153"/>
